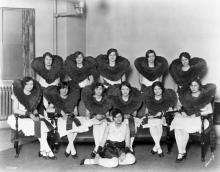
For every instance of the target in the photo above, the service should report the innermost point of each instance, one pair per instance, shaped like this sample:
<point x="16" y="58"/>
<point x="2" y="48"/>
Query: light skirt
<point x="188" y="124"/>
<point x="61" y="124"/>
<point x="26" y="125"/>
<point x="153" y="122"/>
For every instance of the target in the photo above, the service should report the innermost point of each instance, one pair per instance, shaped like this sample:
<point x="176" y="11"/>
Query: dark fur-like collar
<point x="52" y="94"/>
<point x="198" y="68"/>
<point x="80" y="74"/>
<point x="160" y="69"/>
<point x="134" y="102"/>
<point x="112" y="73"/>
<point x="30" y="102"/>
<point x="194" y="104"/>
<point x="169" y="99"/>
<point x="94" y="106"/>
<point x="49" y="75"/>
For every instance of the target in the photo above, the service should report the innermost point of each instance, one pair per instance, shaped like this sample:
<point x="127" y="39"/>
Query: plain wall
<point x="167" y="26"/>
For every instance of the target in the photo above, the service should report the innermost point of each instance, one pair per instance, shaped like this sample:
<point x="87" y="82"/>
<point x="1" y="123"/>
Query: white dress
<point x="26" y="124"/>
<point x="188" y="124"/>
<point x="44" y="83"/>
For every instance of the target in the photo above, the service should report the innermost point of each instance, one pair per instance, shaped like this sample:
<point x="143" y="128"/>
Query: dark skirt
<point x="113" y="149"/>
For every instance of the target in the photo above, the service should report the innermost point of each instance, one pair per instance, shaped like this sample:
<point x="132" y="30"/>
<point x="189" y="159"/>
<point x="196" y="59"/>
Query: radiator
<point x="5" y="102"/>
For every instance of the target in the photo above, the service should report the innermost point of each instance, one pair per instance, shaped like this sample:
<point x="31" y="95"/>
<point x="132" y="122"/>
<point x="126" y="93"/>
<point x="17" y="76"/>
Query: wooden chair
<point x="17" y="137"/>
<point x="207" y="137"/>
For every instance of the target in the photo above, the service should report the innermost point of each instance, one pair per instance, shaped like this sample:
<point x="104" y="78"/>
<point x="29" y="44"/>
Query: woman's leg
<point x="98" y="131"/>
<point x="70" y="147"/>
<point x="129" y="159"/>
<point x="179" y="140"/>
<point x="185" y="141"/>
<point x="156" y="133"/>
<point x="105" y="162"/>
<point x="44" y="147"/>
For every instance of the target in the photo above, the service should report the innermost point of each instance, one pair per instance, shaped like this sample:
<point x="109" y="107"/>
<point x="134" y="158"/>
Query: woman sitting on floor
<point x="195" y="102"/>
<point x="158" y="100"/>
<point x="128" y="100"/>
<point x="65" y="98"/>
<point x="114" y="147"/>
<point x="27" y="104"/>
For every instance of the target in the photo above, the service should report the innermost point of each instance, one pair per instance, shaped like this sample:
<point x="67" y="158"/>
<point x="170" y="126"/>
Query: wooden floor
<point x="30" y="162"/>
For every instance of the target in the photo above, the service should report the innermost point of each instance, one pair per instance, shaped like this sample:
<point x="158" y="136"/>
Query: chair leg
<point x="16" y="139"/>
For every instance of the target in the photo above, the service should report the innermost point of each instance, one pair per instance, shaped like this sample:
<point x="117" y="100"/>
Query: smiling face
<point x="79" y="59"/>
<point x="48" y="61"/>
<point x="98" y="91"/>
<point x="158" y="91"/>
<point x="64" y="91"/>
<point x="125" y="91"/>
<point x="151" y="58"/>
<point x="112" y="57"/>
<point x="29" y="86"/>
<point x="194" y="87"/>
<point x="184" y="61"/>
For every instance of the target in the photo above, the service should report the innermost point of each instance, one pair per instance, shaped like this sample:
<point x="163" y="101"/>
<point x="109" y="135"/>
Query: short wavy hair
<point x="25" y="80"/>
<point x="184" y="54"/>
<point x="149" y="52"/>
<point x="77" y="53"/>
<point x="127" y="84"/>
<point x="115" y="112"/>
<point x="159" y="84"/>
<point x="112" y="50"/>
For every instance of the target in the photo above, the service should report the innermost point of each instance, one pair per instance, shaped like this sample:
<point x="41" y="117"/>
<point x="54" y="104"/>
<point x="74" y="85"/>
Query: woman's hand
<point x="126" y="116"/>
<point x="184" y="114"/>
<point x="34" y="118"/>
<point x="99" y="117"/>
<point x="64" y="115"/>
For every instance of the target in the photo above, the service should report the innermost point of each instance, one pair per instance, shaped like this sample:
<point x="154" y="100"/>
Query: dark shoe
<point x="42" y="156"/>
<point x="184" y="155"/>
<point x="93" y="154"/>
<point x="180" y="159"/>
<point x="153" y="152"/>
<point x="52" y="157"/>
<point x="66" y="154"/>
<point x="82" y="162"/>
<point x="161" y="154"/>
<point x="75" y="156"/>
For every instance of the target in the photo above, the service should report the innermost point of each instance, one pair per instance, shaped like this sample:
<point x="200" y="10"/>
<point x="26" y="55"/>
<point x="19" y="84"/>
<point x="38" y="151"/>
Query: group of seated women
<point x="85" y="92"/>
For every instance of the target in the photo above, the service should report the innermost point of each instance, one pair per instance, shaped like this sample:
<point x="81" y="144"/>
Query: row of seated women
<point x="96" y="86"/>
<point x="125" y="100"/>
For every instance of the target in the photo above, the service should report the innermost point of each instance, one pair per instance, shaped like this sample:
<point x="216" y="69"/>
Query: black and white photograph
<point x="109" y="85"/>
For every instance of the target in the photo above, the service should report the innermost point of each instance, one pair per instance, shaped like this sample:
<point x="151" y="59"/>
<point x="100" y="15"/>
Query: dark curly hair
<point x="184" y="54"/>
<point x="63" y="84"/>
<point x="127" y="84"/>
<point x="25" y="80"/>
<point x="115" y="112"/>
<point x="149" y="52"/>
<point x="77" y="53"/>
<point x="159" y="84"/>
<point x="96" y="85"/>
<point x="47" y="54"/>
<point x="112" y="50"/>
